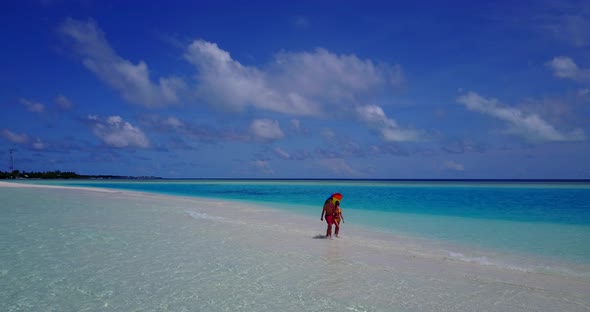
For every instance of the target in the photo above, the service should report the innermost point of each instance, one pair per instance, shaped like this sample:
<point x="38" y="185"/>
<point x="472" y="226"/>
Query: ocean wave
<point x="543" y="269"/>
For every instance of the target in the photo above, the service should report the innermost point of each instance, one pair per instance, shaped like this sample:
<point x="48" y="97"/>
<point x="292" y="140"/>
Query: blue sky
<point x="297" y="89"/>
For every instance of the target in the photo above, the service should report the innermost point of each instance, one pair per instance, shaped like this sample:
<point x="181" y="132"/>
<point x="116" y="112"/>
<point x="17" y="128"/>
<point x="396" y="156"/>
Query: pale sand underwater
<point x="86" y="249"/>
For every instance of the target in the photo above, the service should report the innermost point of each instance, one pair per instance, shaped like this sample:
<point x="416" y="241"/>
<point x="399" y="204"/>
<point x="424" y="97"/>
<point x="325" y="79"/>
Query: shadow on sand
<point x="320" y="236"/>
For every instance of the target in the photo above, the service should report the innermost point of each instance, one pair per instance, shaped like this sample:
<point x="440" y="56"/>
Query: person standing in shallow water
<point x="328" y="211"/>
<point x="337" y="217"/>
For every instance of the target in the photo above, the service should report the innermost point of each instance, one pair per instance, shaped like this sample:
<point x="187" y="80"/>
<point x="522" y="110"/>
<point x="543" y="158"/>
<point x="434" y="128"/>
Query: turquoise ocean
<point x="547" y="223"/>
<point x="254" y="245"/>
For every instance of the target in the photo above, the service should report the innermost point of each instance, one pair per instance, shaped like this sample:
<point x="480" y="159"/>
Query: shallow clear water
<point x="72" y="250"/>
<point x="549" y="219"/>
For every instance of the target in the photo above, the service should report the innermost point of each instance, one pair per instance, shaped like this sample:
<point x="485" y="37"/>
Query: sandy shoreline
<point x="17" y="184"/>
<point x="399" y="268"/>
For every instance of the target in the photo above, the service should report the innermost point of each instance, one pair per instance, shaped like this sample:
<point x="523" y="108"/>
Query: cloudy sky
<point x="299" y="89"/>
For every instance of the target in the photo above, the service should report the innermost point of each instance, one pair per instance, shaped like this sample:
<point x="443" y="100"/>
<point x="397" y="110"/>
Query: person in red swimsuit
<point x="328" y="211"/>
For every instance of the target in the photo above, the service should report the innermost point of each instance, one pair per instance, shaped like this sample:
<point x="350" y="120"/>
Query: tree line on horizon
<point x="57" y="174"/>
<point x="17" y="174"/>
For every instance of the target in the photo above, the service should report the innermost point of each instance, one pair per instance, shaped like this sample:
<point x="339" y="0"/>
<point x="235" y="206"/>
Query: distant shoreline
<point x="383" y="180"/>
<point x="59" y="175"/>
<point x="114" y="177"/>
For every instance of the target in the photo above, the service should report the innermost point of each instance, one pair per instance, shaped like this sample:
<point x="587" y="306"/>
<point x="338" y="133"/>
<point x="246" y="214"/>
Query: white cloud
<point x="282" y="153"/>
<point x="116" y="132"/>
<point x="297" y="127"/>
<point x="375" y="117"/>
<point x="266" y="129"/>
<point x="132" y="81"/>
<point x="264" y="166"/>
<point x="225" y="82"/>
<point x="296" y="124"/>
<point x="14" y="137"/>
<point x="325" y="75"/>
<point x="32" y="106"/>
<point x="173" y="122"/>
<point x="295" y="83"/>
<point x="338" y="166"/>
<point x="38" y="145"/>
<point x="327" y="133"/>
<point x="565" y="68"/>
<point x="566" y="20"/>
<point x="63" y="102"/>
<point x="22" y="139"/>
<point x="531" y="126"/>
<point x="463" y="146"/>
<point x="454" y="166"/>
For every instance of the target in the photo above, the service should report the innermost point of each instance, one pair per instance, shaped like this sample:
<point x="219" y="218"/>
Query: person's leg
<point x="336" y="228"/>
<point x="329" y="220"/>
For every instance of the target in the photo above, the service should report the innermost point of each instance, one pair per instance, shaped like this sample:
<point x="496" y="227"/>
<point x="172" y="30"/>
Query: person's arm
<point x="342" y="216"/>
<point x="322" y="217"/>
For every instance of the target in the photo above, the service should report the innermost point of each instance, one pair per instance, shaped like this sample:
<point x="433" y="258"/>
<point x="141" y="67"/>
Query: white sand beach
<point x="86" y="249"/>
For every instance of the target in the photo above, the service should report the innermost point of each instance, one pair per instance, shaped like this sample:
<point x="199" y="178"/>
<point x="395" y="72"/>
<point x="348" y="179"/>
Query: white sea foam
<point x="486" y="261"/>
<point x="29" y="184"/>
<point x="203" y="216"/>
<point x="521" y="265"/>
<point x="462" y="257"/>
